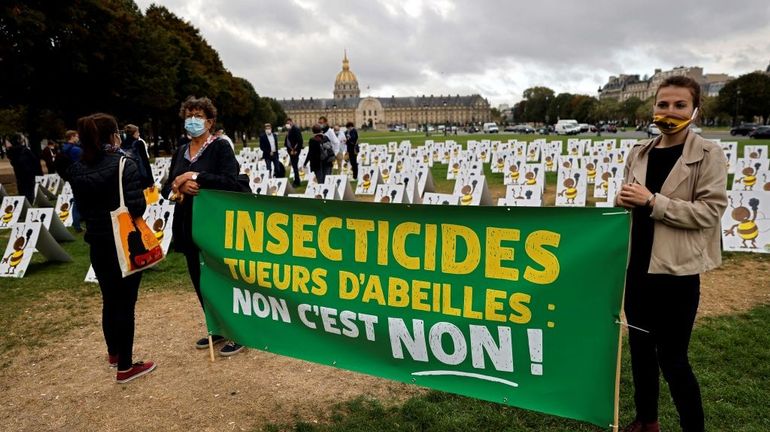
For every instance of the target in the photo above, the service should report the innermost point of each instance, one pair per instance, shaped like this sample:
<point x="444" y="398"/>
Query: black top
<point x="659" y="164"/>
<point x="352" y="142"/>
<point x="294" y="140"/>
<point x="96" y="192"/>
<point x="136" y="150"/>
<point x="217" y="168"/>
<point x="25" y="164"/>
<point x="314" y="151"/>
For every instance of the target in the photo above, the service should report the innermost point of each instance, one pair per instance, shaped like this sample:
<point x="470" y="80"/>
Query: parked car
<point x="521" y="129"/>
<point x="762" y="132"/>
<point x="697" y="129"/>
<point x="567" y="127"/>
<point x="743" y="129"/>
<point x="653" y="130"/>
<point x="584" y="127"/>
<point x="609" y="128"/>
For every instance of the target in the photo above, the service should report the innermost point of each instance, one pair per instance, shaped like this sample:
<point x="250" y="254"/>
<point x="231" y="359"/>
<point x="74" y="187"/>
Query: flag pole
<point x="211" y="348"/>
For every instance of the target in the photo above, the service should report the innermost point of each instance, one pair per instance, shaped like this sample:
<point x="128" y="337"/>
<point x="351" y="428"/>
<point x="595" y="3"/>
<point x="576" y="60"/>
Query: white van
<point x="490" y="128"/>
<point x="567" y="127"/>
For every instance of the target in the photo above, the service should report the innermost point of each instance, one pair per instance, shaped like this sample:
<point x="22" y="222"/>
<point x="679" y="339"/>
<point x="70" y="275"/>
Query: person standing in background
<point x="351" y="142"/>
<point x="71" y="150"/>
<point x="340" y="152"/>
<point x="294" y="146"/>
<point x="220" y="133"/>
<point x="136" y="148"/>
<point x="268" y="143"/>
<point x="49" y="156"/>
<point x="25" y="166"/>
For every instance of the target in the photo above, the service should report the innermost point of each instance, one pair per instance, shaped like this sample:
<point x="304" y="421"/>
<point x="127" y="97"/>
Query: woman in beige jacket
<point x="675" y="188"/>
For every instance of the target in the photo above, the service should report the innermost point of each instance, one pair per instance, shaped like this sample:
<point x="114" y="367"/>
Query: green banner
<point x="512" y="305"/>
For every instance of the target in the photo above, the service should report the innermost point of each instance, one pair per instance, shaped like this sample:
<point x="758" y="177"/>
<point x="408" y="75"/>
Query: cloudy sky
<point x="294" y="48"/>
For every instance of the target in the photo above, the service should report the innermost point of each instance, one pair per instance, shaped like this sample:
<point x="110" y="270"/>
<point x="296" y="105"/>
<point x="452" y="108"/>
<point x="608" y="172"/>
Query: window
<point x="375" y="113"/>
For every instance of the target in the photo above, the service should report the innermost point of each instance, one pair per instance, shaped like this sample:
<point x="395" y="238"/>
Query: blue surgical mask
<point x="195" y="126"/>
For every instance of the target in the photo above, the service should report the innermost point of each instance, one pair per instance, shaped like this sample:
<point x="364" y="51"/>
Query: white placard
<point x="51" y="222"/>
<point x="571" y="188"/>
<point x="746" y="222"/>
<point x="12" y="210"/>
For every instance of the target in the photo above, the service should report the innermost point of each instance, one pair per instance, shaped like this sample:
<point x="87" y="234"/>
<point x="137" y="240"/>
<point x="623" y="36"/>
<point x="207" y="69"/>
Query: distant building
<point x="378" y="113"/>
<point x="626" y="86"/>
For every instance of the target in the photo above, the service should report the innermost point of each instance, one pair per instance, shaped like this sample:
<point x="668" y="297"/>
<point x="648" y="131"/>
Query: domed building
<point x="379" y="113"/>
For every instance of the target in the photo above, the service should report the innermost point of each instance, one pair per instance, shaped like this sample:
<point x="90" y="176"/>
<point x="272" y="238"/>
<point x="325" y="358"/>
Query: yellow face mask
<point x="671" y="125"/>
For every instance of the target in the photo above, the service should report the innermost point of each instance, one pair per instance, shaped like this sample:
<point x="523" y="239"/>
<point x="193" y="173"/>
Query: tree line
<point x="746" y="98"/>
<point x="62" y="60"/>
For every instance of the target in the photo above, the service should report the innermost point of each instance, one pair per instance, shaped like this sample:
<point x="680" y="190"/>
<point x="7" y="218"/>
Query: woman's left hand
<point x="634" y="195"/>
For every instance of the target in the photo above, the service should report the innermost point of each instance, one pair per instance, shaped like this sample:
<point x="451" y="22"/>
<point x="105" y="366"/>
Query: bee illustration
<point x="513" y="172"/>
<point x="367" y="183"/>
<point x="14" y="259"/>
<point x="500" y="164"/>
<point x="766" y="186"/>
<point x="455" y="168"/>
<point x="385" y="175"/>
<point x="531" y="177"/>
<point x="756" y="154"/>
<point x="9" y="210"/>
<point x="591" y="172"/>
<point x="567" y="164"/>
<point x="570" y="191"/>
<point x="549" y="163"/>
<point x="302" y="173"/>
<point x="749" y="178"/>
<point x="747" y="227"/>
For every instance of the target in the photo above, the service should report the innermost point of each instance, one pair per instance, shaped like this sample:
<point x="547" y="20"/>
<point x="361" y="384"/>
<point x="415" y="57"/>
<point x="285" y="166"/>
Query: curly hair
<point x="204" y="104"/>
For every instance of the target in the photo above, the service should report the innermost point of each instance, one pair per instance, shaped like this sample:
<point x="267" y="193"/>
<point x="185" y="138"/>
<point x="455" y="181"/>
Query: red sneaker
<point x="113" y="359"/>
<point x="137" y="370"/>
<point x="637" y="426"/>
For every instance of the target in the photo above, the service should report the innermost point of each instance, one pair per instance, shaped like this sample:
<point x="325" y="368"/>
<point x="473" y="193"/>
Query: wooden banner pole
<point x="211" y="348"/>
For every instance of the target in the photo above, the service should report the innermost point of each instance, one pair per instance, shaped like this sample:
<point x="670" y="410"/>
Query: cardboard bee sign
<point x="63" y="207"/>
<point x="522" y="196"/>
<point x="12" y="209"/>
<point x="746" y="222"/>
<point x="747" y="172"/>
<point x="390" y="193"/>
<point x="571" y="188"/>
<point x="51" y="221"/>
<point x="341" y="186"/>
<point x="472" y="190"/>
<point x="368" y="179"/>
<point x="25" y="240"/>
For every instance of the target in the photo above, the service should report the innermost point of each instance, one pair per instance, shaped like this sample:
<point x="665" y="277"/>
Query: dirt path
<point x="67" y="385"/>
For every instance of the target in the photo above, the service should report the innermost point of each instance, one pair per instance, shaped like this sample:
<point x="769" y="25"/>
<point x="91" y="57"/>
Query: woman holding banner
<point x="206" y="162"/>
<point x="675" y="187"/>
<point x="94" y="181"/>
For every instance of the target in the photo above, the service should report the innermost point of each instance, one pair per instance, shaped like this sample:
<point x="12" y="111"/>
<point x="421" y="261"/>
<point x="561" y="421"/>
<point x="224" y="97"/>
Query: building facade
<point x="623" y="87"/>
<point x="379" y="113"/>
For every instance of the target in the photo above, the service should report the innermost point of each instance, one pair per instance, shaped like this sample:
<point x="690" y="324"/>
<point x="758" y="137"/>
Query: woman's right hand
<point x="190" y="187"/>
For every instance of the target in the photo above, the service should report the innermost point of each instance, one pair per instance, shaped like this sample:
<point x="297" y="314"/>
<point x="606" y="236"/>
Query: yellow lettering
<point x="360" y="228"/>
<point x="349" y="286"/>
<point x="493" y="305"/>
<point x="231" y="263"/>
<point x="324" y="230"/>
<point x="373" y="291"/>
<point x="263" y="274"/>
<point x="446" y="299"/>
<point x="549" y="262"/>
<point x="382" y="242"/>
<point x="300" y="236"/>
<point x="300" y="276"/>
<point x="468" y="311"/>
<point x="449" y="235"/>
<point x="319" y="279"/>
<point x="274" y="223"/>
<point x="496" y="253"/>
<point x="402" y="231"/>
<point x="419" y="295"/>
<point x="398" y="292"/>
<point x="229" y="215"/>
<point x="430" y="247"/>
<point x="253" y="232"/>
<point x="518" y="302"/>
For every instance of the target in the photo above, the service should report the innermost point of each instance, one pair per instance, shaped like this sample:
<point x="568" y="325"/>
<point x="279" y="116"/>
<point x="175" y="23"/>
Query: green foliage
<point x="747" y="96"/>
<point x="69" y="59"/>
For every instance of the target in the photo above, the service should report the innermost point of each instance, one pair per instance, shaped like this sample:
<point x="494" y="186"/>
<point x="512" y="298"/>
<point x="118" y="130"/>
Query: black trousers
<point x="194" y="269"/>
<point x="118" y="301"/>
<point x="353" y="159"/>
<point x="271" y="161"/>
<point x="295" y="167"/>
<point x="664" y="305"/>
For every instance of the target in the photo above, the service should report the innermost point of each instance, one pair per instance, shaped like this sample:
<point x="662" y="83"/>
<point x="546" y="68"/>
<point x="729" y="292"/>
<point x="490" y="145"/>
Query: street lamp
<point x="737" y="103"/>
<point x="546" y="115"/>
<point x="425" y="125"/>
<point x="446" y="123"/>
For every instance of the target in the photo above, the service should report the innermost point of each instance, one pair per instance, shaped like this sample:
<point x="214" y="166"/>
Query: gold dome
<point x="346" y="76"/>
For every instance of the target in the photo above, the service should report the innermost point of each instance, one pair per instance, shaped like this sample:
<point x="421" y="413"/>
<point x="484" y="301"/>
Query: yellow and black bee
<point x="748" y="230"/>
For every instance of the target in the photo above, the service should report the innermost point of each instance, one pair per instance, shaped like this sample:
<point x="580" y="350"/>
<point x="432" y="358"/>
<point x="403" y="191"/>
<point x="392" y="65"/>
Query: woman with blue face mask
<point x="206" y="162"/>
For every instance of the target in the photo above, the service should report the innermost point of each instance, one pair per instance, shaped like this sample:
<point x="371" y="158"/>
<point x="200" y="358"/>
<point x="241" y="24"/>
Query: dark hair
<point x="289" y="119"/>
<point x="16" y="139"/>
<point x="323" y="118"/>
<point x="685" y="82"/>
<point x="95" y="130"/>
<point x="349" y="125"/>
<point x="204" y="104"/>
<point x="316" y="128"/>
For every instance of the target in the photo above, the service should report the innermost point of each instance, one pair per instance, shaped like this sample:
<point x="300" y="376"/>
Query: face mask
<point x="195" y="126"/>
<point x="671" y="125"/>
<point x="288" y="126"/>
<point x="268" y="131"/>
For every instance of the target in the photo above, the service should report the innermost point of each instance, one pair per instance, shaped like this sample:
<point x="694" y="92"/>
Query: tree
<point x="746" y="97"/>
<point x="628" y="110"/>
<point x="538" y="100"/>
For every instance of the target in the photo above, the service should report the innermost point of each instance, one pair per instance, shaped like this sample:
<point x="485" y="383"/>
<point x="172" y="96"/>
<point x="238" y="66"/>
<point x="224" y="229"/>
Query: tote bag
<point x="135" y="243"/>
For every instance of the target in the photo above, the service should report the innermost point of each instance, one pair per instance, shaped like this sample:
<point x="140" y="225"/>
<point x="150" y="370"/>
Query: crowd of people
<point x="675" y="188"/>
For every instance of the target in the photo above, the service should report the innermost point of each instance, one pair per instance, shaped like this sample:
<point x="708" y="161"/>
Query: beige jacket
<point x="688" y="210"/>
